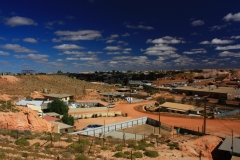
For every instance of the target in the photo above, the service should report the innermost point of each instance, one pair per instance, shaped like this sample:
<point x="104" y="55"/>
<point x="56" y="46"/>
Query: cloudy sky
<point x="105" y="35"/>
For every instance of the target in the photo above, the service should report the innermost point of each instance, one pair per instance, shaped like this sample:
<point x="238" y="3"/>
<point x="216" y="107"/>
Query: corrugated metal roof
<point x="197" y="109"/>
<point x="49" y="118"/>
<point x="177" y="106"/>
<point x="52" y="114"/>
<point x="227" y="145"/>
<point x="24" y="103"/>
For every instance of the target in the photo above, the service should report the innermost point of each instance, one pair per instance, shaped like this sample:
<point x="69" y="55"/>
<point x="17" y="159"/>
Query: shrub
<point x="98" y="142"/>
<point x="126" y="152"/>
<point x="36" y="145"/>
<point x="76" y="147"/>
<point x="119" y="155"/>
<point x="67" y="155"/>
<point x="132" y="144"/>
<point x="81" y="157"/>
<point x="69" y="139"/>
<point x="173" y="145"/>
<point x="22" y="142"/>
<point x="2" y="155"/>
<point x="104" y="148"/>
<point x="119" y="148"/>
<point x="25" y="155"/>
<point x="151" y="154"/>
<point x="138" y="154"/>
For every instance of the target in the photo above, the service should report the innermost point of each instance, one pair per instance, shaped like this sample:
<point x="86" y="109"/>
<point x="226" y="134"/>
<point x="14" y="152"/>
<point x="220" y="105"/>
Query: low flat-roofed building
<point x="61" y="127"/>
<point x="196" y="110"/>
<point x="177" y="107"/>
<point x="63" y="97"/>
<point x="212" y="92"/>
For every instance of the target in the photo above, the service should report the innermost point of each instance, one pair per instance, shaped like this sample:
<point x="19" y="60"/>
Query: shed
<point x="177" y="108"/>
<point x="63" y="128"/>
<point x="53" y="114"/>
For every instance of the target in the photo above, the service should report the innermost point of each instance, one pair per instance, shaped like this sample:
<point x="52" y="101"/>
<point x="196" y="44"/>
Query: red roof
<point x="49" y="118"/>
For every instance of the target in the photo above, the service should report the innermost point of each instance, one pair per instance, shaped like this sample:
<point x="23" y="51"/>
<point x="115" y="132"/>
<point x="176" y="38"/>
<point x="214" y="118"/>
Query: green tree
<point x="58" y="106"/>
<point x="68" y="119"/>
<point x="161" y="99"/>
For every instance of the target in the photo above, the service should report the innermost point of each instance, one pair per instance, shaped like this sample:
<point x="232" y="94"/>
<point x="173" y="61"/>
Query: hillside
<point x="25" y="85"/>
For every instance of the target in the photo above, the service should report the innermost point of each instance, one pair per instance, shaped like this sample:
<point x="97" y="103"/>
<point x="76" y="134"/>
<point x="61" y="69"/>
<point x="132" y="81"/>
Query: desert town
<point x="197" y="111"/>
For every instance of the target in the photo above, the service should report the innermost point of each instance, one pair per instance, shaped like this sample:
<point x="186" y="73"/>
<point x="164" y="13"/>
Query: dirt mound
<point x="205" y="145"/>
<point x="11" y="79"/>
<point x="26" y="119"/>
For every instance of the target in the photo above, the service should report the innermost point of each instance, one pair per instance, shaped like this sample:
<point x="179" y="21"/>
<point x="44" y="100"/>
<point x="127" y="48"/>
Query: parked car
<point x="111" y="105"/>
<point x="92" y="126"/>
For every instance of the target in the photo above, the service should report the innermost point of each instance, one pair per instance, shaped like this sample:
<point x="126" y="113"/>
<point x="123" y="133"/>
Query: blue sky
<point x="105" y="35"/>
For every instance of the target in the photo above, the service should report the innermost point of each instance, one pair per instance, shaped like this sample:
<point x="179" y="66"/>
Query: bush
<point x="25" y="155"/>
<point x="104" y="148"/>
<point x="36" y="145"/>
<point x="2" y="155"/>
<point x="81" y="157"/>
<point x="173" y="145"/>
<point x="119" y="148"/>
<point x="127" y="152"/>
<point x="69" y="139"/>
<point x="132" y="144"/>
<point x="98" y="142"/>
<point x="119" y="155"/>
<point x="138" y="154"/>
<point x="22" y="142"/>
<point x="152" y="154"/>
<point x="76" y="147"/>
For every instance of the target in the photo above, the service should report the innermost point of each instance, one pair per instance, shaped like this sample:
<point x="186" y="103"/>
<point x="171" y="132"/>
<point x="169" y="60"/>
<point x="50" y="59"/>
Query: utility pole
<point x="204" y="115"/>
<point x="232" y="142"/>
<point x="159" y="120"/>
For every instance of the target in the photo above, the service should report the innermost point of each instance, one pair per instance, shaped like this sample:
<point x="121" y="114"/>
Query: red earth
<point x="215" y="127"/>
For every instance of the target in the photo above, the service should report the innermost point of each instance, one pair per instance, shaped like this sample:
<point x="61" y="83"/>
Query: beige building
<point x="63" y="97"/>
<point x="177" y="107"/>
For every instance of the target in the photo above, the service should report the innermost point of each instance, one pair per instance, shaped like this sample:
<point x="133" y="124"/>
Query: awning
<point x="227" y="145"/>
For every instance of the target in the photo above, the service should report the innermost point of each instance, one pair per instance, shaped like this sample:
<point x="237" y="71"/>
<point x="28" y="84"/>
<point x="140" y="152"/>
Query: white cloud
<point x="4" y="53"/>
<point x="113" y="62"/>
<point x="17" y="48"/>
<point x="184" y="61"/>
<point x="217" y="41"/>
<point x="19" y="21"/>
<point x="229" y="54"/>
<point x="49" y="25"/>
<point x="232" y="17"/>
<point x="2" y="38"/>
<point x="4" y="62"/>
<point x="235" y="37"/>
<point x="140" y="27"/>
<point x="228" y="47"/>
<point x="68" y="46"/>
<point x="77" y="35"/>
<point x="166" y="40"/>
<point x="197" y="23"/>
<point x="110" y="41"/>
<point x="72" y="59"/>
<point x="15" y="39"/>
<point x="74" y="53"/>
<point x="33" y="56"/>
<point x="114" y="36"/>
<point x="196" y="51"/>
<point x="112" y="53"/>
<point x="219" y="27"/>
<point x="125" y="35"/>
<point x="30" y="40"/>
<point x="112" y="48"/>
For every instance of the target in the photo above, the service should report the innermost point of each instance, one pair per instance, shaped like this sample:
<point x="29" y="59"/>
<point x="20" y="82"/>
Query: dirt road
<point x="216" y="127"/>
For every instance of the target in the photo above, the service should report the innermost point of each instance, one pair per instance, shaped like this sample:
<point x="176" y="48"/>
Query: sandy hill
<point x="26" y="85"/>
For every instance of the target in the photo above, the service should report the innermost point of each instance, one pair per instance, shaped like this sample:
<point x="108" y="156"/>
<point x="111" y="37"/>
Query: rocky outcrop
<point x="204" y="145"/>
<point x="26" y="119"/>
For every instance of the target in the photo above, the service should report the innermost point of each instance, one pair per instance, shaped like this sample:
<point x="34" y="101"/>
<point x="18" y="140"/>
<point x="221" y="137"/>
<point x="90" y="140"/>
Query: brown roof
<point x="49" y="118"/>
<point x="177" y="106"/>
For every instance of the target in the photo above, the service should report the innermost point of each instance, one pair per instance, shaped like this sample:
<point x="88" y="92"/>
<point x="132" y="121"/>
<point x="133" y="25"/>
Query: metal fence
<point x="227" y="113"/>
<point x="100" y="131"/>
